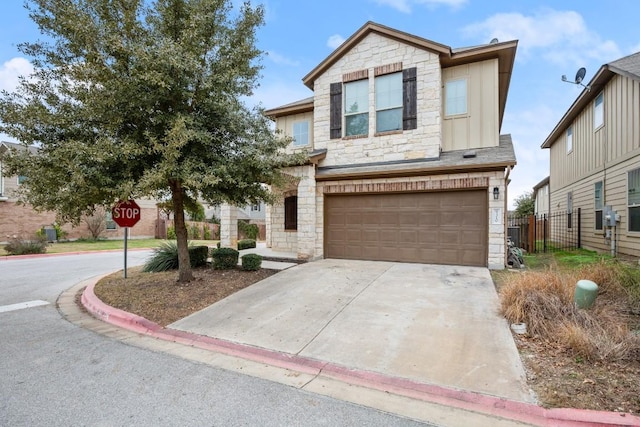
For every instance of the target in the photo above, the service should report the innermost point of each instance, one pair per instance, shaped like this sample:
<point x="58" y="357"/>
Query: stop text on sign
<point x="126" y="213"/>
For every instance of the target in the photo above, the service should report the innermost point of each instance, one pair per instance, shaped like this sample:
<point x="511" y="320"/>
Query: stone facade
<point x="228" y="226"/>
<point x="373" y="51"/>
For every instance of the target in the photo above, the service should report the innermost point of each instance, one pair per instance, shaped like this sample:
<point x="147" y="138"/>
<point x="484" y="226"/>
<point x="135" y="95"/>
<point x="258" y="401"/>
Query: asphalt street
<point x="56" y="373"/>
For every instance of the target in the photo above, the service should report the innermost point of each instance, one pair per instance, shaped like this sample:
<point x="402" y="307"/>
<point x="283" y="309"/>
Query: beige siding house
<point x="23" y="221"/>
<point x="541" y="197"/>
<point x="406" y="160"/>
<point x="595" y="158"/>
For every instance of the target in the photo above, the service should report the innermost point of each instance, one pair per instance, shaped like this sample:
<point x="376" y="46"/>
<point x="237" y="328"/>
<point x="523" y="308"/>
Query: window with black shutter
<point x="291" y="213"/>
<point x="409" y="99"/>
<point x="335" y="105"/>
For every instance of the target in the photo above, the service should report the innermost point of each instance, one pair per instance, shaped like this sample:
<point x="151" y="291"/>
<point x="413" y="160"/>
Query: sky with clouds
<point x="554" y="38"/>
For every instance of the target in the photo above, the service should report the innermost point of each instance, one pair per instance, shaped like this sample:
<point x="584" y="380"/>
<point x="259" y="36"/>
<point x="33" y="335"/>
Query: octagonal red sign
<point x="126" y="213"/>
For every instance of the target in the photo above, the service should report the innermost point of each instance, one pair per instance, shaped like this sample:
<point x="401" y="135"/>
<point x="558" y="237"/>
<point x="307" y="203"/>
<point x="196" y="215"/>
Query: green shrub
<point x="20" y="246"/>
<point x="194" y="231"/>
<point x="246" y="244"/>
<point x="60" y="233"/>
<point x="165" y="257"/>
<point x="224" y="258"/>
<point x="250" y="231"/>
<point x="171" y="233"/>
<point x="198" y="256"/>
<point x="207" y="233"/>
<point x="251" y="262"/>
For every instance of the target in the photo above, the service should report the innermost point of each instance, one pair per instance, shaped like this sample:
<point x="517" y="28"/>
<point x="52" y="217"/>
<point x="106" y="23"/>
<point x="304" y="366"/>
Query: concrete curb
<point x="453" y="398"/>
<point x="10" y="257"/>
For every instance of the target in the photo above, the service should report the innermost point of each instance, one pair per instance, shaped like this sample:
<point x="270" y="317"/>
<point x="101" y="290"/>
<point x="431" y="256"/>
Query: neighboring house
<point x="541" y="197"/>
<point x="252" y="213"/>
<point x="23" y="221"/>
<point x="595" y="158"/>
<point x="406" y="160"/>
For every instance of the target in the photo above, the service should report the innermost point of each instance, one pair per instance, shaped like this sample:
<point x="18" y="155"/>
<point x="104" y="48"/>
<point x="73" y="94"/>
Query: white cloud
<point x="335" y="40"/>
<point x="279" y="93"/>
<point x="528" y="129"/>
<point x="281" y="59"/>
<point x="10" y="72"/>
<point x="404" y="6"/>
<point x="561" y="36"/>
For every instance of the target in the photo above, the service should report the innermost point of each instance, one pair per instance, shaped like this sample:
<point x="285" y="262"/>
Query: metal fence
<point x="557" y="231"/>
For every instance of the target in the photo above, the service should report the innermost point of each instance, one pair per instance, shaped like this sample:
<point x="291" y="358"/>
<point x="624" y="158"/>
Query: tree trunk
<point x="184" y="264"/>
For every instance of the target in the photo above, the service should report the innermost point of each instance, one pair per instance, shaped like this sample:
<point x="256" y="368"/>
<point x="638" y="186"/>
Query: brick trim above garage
<point x="407" y="186"/>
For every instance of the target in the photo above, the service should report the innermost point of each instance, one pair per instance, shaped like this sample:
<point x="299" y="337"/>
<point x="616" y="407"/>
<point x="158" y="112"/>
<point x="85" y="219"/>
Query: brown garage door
<point x="438" y="228"/>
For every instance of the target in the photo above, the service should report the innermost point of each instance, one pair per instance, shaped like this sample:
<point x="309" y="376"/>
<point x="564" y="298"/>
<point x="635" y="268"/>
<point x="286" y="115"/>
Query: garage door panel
<point x="440" y="227"/>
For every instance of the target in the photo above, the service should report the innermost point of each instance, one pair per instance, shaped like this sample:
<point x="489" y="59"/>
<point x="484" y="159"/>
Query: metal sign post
<point x="126" y="235"/>
<point x="126" y="213"/>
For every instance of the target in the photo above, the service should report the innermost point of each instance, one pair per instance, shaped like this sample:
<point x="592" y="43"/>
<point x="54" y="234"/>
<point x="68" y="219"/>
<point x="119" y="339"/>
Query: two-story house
<point x="595" y="159"/>
<point x="406" y="161"/>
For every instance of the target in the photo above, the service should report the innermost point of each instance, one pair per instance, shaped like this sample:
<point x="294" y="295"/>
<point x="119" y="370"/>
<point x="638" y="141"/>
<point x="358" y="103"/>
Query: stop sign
<point x="126" y="213"/>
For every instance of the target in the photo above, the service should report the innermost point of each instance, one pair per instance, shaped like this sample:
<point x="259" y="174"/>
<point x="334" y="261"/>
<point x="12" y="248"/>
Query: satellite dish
<point x="579" y="78"/>
<point x="493" y="41"/>
<point x="580" y="75"/>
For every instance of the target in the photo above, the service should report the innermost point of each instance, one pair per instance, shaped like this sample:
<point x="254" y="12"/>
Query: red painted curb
<point x="10" y="257"/>
<point x="459" y="399"/>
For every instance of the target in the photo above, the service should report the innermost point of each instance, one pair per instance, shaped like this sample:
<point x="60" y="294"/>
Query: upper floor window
<point x="599" y="204"/>
<point x="569" y="139"/>
<point x="255" y="208"/>
<point x="633" y="199"/>
<point x="301" y="133"/>
<point x="455" y="97"/>
<point x="356" y="107"/>
<point x="389" y="102"/>
<point x="598" y="111"/>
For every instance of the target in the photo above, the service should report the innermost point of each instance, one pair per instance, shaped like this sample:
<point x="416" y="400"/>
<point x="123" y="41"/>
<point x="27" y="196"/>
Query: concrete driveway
<point x="428" y="323"/>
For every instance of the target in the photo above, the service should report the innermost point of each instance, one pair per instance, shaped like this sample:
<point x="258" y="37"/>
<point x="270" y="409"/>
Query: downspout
<point x="505" y="214"/>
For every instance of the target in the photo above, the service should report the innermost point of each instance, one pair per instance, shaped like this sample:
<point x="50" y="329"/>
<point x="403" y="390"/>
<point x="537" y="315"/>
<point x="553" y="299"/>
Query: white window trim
<point x="466" y="98"/>
<point x="295" y="144"/>
<point x="346" y="114"/>
<point x="629" y="205"/>
<point x="569" y="136"/>
<point x="595" y="204"/>
<point x="399" y="106"/>
<point x="597" y="126"/>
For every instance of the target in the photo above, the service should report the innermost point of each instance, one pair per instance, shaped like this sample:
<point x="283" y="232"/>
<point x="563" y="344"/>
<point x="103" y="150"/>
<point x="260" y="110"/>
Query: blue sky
<point x="555" y="38"/>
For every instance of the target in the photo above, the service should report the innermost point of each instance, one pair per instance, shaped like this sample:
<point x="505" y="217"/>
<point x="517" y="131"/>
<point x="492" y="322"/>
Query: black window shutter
<point x="335" y="119"/>
<point x="409" y="99"/>
<point x="291" y="213"/>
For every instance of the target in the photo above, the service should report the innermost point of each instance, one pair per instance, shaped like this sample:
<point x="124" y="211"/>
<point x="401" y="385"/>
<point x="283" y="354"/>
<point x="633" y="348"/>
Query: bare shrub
<point x="544" y="301"/>
<point x="97" y="222"/>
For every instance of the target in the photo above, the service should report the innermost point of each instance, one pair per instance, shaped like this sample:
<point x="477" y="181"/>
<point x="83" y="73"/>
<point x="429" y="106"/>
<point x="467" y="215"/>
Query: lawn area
<point x="106" y="245"/>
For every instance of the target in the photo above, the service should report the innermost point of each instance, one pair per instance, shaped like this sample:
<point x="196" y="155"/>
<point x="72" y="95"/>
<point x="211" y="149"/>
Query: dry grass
<point x="544" y="301"/>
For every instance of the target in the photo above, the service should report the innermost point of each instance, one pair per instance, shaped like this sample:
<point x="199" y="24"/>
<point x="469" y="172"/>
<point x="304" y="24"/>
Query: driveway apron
<point x="428" y="323"/>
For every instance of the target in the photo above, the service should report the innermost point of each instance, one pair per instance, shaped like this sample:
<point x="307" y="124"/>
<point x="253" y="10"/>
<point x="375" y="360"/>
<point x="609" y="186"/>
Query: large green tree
<point x="137" y="99"/>
<point x="525" y="204"/>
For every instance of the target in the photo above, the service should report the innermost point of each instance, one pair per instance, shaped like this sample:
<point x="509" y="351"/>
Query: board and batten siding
<point x="285" y="125"/>
<point x="605" y="154"/>
<point x="479" y="127"/>
<point x="593" y="148"/>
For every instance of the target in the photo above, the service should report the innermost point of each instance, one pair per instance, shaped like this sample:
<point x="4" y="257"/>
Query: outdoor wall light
<point x="496" y="193"/>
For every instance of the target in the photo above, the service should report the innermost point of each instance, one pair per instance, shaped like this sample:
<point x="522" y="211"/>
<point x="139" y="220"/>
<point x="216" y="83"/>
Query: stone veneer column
<point x="497" y="222"/>
<point x="228" y="226"/>
<point x="267" y="216"/>
<point x="307" y="213"/>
